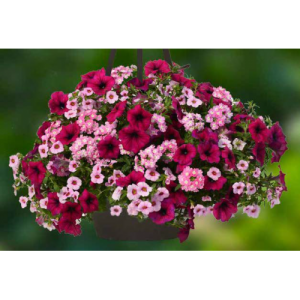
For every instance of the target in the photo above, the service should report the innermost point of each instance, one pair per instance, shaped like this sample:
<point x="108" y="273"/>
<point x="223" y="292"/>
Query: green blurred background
<point x="269" y="77"/>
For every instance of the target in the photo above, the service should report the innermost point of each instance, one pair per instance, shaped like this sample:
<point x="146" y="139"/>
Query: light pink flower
<point x="14" y="161"/>
<point x="33" y="207"/>
<point x="145" y="207"/>
<point x="31" y="191"/>
<point x="132" y="208"/>
<point x="111" y="97"/>
<point x="199" y="210"/>
<point x="256" y="173"/>
<point x="188" y="93"/>
<point x="156" y="204"/>
<point x="144" y="189"/>
<point x="72" y="104"/>
<point x="275" y="201"/>
<point x="74" y="183"/>
<point x="133" y="192"/>
<point x="115" y="210"/>
<point x="64" y="194"/>
<point x="43" y="150"/>
<point x="57" y="147"/>
<point x="252" y="211"/>
<point x="70" y="114"/>
<point x="206" y="198"/>
<point x="73" y="165"/>
<point x="242" y="165"/>
<point x="194" y="102"/>
<point x="152" y="174"/>
<point x="161" y="194"/>
<point x="191" y="179"/>
<point x="251" y="189"/>
<point x="117" y="193"/>
<point x="44" y="203"/>
<point x="23" y="200"/>
<point x="214" y="173"/>
<point x="75" y="195"/>
<point x="238" y="188"/>
<point x="97" y="177"/>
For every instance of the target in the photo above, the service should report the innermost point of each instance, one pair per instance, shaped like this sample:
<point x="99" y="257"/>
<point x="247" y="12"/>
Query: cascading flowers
<point x="165" y="148"/>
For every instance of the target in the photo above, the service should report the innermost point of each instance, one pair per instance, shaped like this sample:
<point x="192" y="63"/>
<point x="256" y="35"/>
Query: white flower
<point x="144" y="189"/>
<point x="74" y="183"/>
<point x="145" y="207"/>
<point x="238" y="144"/>
<point x="117" y="193"/>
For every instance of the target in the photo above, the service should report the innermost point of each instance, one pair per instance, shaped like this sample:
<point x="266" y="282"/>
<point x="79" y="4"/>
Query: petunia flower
<point x="23" y="201"/>
<point x="139" y="118"/>
<point x="214" y="185"/>
<point x="58" y="103"/>
<point x="109" y="148"/>
<point x="176" y="105"/>
<point x="224" y="210"/>
<point x="184" y="154"/>
<point x="71" y="211"/>
<point x="116" y="112"/>
<point x="74" y="183"/>
<point x="115" y="210"/>
<point x="259" y="152"/>
<point x="133" y="178"/>
<point x="204" y="91"/>
<point x="54" y="205"/>
<point x="173" y="134"/>
<point x="43" y="128"/>
<point x="68" y="134"/>
<point x="183" y="81"/>
<point x="133" y="139"/>
<point x="68" y="226"/>
<point x="140" y="85"/>
<point x="252" y="211"/>
<point x="100" y="83"/>
<point x="166" y="213"/>
<point x="88" y="201"/>
<point x="229" y="157"/>
<point x="210" y="152"/>
<point x="145" y="207"/>
<point x="36" y="172"/>
<point x="277" y="142"/>
<point x="157" y="67"/>
<point x="238" y="188"/>
<point x="259" y="131"/>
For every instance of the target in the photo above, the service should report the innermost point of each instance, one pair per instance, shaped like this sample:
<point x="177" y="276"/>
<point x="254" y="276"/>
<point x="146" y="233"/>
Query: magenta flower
<point x="156" y="66"/>
<point x="184" y="233"/>
<point x="88" y="201"/>
<point x="206" y="135"/>
<point x="139" y="118"/>
<point x="116" y="112"/>
<point x="133" y="139"/>
<point x="183" y="81"/>
<point x="176" y="105"/>
<point x="71" y="211"/>
<point x="184" y="154"/>
<point x="173" y="134"/>
<point x="204" y="91"/>
<point x="259" y="152"/>
<point x="224" y="209"/>
<point x="214" y="185"/>
<point x="277" y="142"/>
<point x="68" y="134"/>
<point x="36" y="172"/>
<point x="210" y="152"/>
<point x="109" y="147"/>
<point x="133" y="178"/>
<point x="178" y="197"/>
<point x="54" y="205"/>
<point x="100" y="83"/>
<point x="166" y="213"/>
<point x="140" y="85"/>
<point x="259" y="131"/>
<point x="282" y="179"/>
<point x="229" y="157"/>
<point x="42" y="129"/>
<point x="58" y="103"/>
<point x="68" y="226"/>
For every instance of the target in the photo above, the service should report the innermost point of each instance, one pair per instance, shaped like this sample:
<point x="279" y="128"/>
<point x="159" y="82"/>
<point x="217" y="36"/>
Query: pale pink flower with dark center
<point x="43" y="150"/>
<point x="74" y="183"/>
<point x="111" y="97"/>
<point x="14" y="161"/>
<point x="133" y="192"/>
<point x="115" y="210"/>
<point x="256" y="173"/>
<point x="206" y="198"/>
<point x="251" y="189"/>
<point x="242" y="165"/>
<point x="156" y="204"/>
<point x="44" y="203"/>
<point x="97" y="177"/>
<point x="252" y="211"/>
<point x="23" y="200"/>
<point x="151" y="175"/>
<point x="144" y="189"/>
<point x="73" y="165"/>
<point x="199" y="210"/>
<point x="161" y="194"/>
<point x="145" y="207"/>
<point x="238" y="188"/>
<point x="214" y="173"/>
<point x="117" y="193"/>
<point x="57" y="147"/>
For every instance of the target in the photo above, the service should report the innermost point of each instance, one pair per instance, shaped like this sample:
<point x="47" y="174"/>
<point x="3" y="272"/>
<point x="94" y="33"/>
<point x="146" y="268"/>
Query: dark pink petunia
<point x="183" y="233"/>
<point x="176" y="105"/>
<point x="54" y="205"/>
<point x="232" y="197"/>
<point x="140" y="85"/>
<point x="217" y="101"/>
<point x="178" y="197"/>
<point x="172" y="134"/>
<point x="229" y="157"/>
<point x="166" y="213"/>
<point x="206" y="135"/>
<point x="259" y="131"/>
<point x="91" y="75"/>
<point x="69" y="226"/>
<point x="204" y="91"/>
<point x="88" y="201"/>
<point x="133" y="178"/>
<point x="58" y="103"/>
<point x="259" y="152"/>
<point x="109" y="148"/>
<point x="42" y="129"/>
<point x="277" y="142"/>
<point x="282" y="179"/>
<point x="133" y="139"/>
<point x="116" y="112"/>
<point x="71" y="211"/>
<point x="36" y="172"/>
<point x="224" y="210"/>
<point x="60" y="166"/>
<point x="139" y="118"/>
<point x="214" y="185"/>
<point x="210" y="152"/>
<point x="182" y="80"/>
<point x="33" y="152"/>
<point x="101" y="83"/>
<point x="157" y="66"/>
<point x="68" y="134"/>
<point x="184" y="154"/>
<point x="38" y="192"/>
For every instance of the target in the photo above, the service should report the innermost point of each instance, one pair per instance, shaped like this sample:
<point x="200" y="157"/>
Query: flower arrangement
<point x="165" y="148"/>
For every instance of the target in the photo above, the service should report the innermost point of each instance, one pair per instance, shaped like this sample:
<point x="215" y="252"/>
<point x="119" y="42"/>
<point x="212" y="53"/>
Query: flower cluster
<point x="165" y="148"/>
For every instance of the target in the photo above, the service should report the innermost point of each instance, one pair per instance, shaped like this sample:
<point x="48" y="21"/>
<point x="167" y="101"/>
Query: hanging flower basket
<point x="143" y="156"/>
